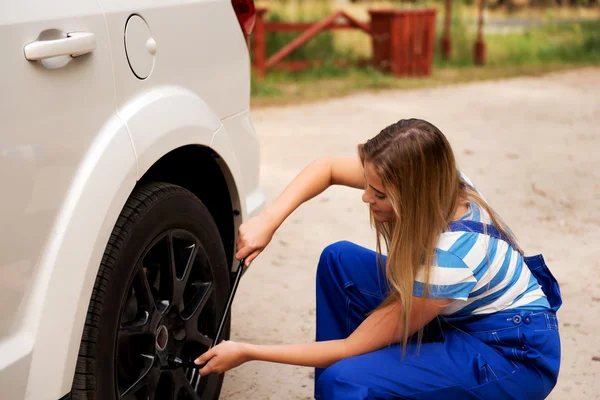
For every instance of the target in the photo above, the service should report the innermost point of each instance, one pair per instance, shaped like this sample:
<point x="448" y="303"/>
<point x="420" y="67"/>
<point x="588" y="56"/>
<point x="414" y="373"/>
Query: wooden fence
<point x="402" y="40"/>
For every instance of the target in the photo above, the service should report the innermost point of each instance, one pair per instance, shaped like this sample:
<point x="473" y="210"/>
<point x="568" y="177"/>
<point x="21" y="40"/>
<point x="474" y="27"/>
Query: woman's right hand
<point x="254" y="236"/>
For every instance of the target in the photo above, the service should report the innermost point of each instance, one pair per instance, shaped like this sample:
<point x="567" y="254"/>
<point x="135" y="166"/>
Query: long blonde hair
<point x="419" y="173"/>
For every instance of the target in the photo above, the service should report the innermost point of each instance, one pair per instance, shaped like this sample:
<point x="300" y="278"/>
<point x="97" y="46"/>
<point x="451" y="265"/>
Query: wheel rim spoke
<point x="136" y="327"/>
<point x="198" y="337"/>
<point x="186" y="382"/>
<point x="156" y="265"/>
<point x="143" y="290"/>
<point x="148" y="379"/>
<point x="194" y="332"/>
<point x="199" y="295"/>
<point x="183" y="250"/>
<point x="139" y="305"/>
<point x="209" y="382"/>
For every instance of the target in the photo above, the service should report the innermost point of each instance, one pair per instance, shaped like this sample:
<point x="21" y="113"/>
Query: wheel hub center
<point x="162" y="338"/>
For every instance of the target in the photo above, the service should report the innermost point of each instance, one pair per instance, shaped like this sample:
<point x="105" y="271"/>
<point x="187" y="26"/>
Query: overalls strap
<point x="478" y="227"/>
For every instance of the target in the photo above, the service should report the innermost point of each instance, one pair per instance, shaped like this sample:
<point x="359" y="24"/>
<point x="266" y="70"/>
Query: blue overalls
<point x="513" y="354"/>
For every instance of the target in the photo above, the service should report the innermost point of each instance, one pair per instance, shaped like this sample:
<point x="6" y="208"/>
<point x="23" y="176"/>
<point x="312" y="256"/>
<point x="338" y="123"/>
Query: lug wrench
<point x="177" y="362"/>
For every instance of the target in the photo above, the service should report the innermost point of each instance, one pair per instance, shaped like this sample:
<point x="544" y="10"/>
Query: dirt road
<point x="531" y="145"/>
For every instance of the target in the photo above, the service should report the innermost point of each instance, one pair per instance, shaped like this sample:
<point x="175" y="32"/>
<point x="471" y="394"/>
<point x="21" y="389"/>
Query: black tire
<point x="186" y="288"/>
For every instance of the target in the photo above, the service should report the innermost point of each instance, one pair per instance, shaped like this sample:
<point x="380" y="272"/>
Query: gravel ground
<point x="531" y="145"/>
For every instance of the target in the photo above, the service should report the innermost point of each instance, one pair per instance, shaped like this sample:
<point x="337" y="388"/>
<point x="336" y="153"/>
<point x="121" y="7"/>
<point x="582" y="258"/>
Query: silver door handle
<point x="75" y="44"/>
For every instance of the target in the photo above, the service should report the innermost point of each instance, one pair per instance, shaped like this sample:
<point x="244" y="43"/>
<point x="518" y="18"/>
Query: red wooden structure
<point x="338" y="20"/>
<point x="446" y="40"/>
<point x="479" y="51"/>
<point x="479" y="48"/>
<point x="403" y="41"/>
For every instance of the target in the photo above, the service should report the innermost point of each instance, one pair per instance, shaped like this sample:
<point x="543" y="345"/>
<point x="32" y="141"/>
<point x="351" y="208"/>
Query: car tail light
<point x="246" y="14"/>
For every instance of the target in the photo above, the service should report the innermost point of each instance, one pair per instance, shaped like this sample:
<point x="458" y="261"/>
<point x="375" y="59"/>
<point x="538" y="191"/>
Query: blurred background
<point x="522" y="37"/>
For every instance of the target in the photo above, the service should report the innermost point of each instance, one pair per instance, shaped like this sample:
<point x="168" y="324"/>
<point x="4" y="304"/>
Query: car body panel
<point x="43" y="142"/>
<point x="244" y="148"/>
<point x="80" y="137"/>
<point x="164" y="119"/>
<point x="71" y="260"/>
<point x="199" y="46"/>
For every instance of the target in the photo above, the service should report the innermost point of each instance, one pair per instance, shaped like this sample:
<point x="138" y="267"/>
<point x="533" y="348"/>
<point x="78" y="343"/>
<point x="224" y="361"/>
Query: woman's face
<point x="375" y="195"/>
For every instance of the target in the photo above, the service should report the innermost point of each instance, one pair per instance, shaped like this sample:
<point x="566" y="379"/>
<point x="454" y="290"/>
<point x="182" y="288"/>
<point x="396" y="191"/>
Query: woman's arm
<point x="378" y="330"/>
<point x="381" y="329"/>
<point x="311" y="181"/>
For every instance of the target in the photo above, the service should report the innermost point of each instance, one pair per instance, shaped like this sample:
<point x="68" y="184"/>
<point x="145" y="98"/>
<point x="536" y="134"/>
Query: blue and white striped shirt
<point x="483" y="274"/>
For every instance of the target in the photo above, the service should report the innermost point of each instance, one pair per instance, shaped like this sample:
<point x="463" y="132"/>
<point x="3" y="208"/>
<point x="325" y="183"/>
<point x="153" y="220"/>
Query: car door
<point x="56" y="94"/>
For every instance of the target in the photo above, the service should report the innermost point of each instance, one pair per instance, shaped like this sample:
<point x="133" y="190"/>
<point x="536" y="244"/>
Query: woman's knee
<point x="332" y="256"/>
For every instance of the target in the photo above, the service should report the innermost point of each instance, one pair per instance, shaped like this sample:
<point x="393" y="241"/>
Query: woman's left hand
<point x="223" y="357"/>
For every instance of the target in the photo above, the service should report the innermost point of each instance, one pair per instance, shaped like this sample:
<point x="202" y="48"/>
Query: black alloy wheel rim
<point x="169" y="310"/>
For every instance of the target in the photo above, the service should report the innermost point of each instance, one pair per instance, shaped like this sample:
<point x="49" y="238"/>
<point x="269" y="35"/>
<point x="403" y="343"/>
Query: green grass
<point x="551" y="43"/>
<point x="279" y="89"/>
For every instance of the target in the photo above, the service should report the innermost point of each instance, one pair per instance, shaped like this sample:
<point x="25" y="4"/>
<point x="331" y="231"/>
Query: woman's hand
<point x="254" y="236"/>
<point x="223" y="357"/>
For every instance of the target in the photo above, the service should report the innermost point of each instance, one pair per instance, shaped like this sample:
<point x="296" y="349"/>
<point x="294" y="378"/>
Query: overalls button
<point x="517" y="319"/>
<point x="527" y="320"/>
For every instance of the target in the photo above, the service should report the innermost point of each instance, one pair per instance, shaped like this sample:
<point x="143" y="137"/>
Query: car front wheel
<point x="160" y="291"/>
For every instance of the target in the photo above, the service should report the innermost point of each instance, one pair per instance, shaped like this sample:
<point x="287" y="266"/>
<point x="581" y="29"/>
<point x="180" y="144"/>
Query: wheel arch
<point x="178" y="138"/>
<point x="201" y="170"/>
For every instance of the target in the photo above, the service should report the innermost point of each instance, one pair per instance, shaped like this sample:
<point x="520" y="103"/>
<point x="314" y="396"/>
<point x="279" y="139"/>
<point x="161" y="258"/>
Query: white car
<point x="127" y="159"/>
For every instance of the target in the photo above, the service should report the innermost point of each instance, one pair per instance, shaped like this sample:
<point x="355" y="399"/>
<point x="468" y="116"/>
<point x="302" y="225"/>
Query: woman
<point x="454" y="311"/>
